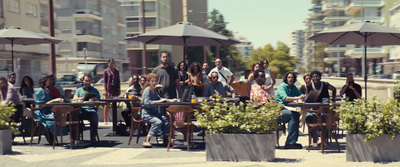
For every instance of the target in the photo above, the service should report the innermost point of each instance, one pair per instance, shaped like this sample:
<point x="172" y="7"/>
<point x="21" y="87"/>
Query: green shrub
<point x="249" y="118"/>
<point x="374" y="118"/>
<point x="396" y="91"/>
<point x="6" y="111"/>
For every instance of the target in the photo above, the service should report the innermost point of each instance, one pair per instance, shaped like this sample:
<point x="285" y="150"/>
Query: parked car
<point x="67" y="80"/>
<point x="101" y="81"/>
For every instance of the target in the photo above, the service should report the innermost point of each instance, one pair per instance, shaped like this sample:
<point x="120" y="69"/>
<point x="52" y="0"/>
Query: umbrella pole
<point x="184" y="49"/>
<point x="12" y="55"/>
<point x="365" y="65"/>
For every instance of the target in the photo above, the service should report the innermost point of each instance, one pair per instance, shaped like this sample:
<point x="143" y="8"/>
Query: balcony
<point x="333" y="49"/>
<point x="88" y="32"/>
<point x="371" y="19"/>
<point x="330" y="19"/>
<point x="355" y="6"/>
<point x="372" y="53"/>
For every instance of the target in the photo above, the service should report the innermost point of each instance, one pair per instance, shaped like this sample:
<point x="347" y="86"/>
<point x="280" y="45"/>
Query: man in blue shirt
<point x="216" y="86"/>
<point x="287" y="92"/>
<point x="89" y="112"/>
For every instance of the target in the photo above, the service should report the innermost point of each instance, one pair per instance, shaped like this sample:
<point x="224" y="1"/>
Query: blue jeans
<point x="293" y="118"/>
<point x="159" y="122"/>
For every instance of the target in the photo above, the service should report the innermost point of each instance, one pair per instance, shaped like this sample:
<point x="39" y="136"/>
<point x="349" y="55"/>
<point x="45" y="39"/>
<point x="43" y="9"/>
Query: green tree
<point x="279" y="59"/>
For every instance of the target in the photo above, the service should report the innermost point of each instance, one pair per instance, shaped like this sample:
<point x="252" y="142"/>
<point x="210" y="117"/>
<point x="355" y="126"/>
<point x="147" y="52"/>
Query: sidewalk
<point x="118" y="153"/>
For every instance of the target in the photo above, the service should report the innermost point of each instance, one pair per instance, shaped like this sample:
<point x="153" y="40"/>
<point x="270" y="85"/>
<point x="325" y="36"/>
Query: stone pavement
<point x="118" y="153"/>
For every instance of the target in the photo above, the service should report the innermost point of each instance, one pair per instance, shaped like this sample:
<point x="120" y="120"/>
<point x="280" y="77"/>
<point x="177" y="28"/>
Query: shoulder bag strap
<point x="223" y="77"/>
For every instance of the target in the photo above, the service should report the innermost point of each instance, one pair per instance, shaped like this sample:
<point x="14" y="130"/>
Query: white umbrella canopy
<point x="185" y="34"/>
<point x="366" y="33"/>
<point x="15" y="35"/>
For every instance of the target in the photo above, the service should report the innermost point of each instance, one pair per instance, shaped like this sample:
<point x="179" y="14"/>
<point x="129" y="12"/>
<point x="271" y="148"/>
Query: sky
<point x="263" y="22"/>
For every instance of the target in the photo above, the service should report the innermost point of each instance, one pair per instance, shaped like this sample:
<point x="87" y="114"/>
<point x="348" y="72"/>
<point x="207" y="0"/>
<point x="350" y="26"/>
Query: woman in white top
<point x="269" y="77"/>
<point x="250" y="78"/>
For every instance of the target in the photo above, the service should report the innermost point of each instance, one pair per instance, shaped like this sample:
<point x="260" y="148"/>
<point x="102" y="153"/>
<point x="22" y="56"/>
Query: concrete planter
<point x="240" y="147"/>
<point x="382" y="149"/>
<point x="5" y="141"/>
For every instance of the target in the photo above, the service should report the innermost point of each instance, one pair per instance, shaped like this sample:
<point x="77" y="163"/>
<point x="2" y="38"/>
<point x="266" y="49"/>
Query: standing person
<point x="218" y="87"/>
<point x="250" y="78"/>
<point x="42" y="98"/>
<point x="167" y="77"/>
<point x="158" y="120"/>
<point x="26" y="89"/>
<point x="12" y="78"/>
<point x="111" y="84"/>
<point x="205" y="71"/>
<point x="183" y="78"/>
<point x="269" y="77"/>
<point x="307" y="80"/>
<point x="258" y="93"/>
<point x="224" y="74"/>
<point x="351" y="89"/>
<point x="89" y="112"/>
<point x="287" y="92"/>
<point x="195" y="79"/>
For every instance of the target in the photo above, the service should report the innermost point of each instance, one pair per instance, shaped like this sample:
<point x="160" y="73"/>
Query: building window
<point x="94" y="47"/>
<point x="30" y="10"/>
<point x="13" y="6"/>
<point x="1" y="9"/>
<point x="36" y="66"/>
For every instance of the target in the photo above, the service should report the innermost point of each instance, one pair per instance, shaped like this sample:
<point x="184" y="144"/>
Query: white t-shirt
<point x="224" y="71"/>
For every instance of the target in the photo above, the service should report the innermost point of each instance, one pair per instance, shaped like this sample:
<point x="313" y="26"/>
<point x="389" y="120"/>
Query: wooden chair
<point x="180" y="117"/>
<point x="327" y="114"/>
<point x="66" y="116"/>
<point x="35" y="125"/>
<point x="136" y="123"/>
<point x="240" y="88"/>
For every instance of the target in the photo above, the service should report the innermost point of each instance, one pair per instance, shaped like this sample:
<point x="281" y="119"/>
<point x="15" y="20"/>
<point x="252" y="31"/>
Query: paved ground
<point x="114" y="151"/>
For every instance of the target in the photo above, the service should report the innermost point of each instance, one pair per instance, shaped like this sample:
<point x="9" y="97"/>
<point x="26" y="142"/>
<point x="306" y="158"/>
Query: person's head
<point x="316" y="76"/>
<point x="259" y="76"/>
<point x="52" y="80"/>
<point x="264" y="63"/>
<point x="26" y="82"/>
<point x="307" y="78"/>
<point x="164" y="57"/>
<point x="142" y="80"/>
<point x="290" y="78"/>
<point x="134" y="80"/>
<point x="12" y="78"/>
<point x="44" y="81"/>
<point x="182" y="66"/>
<point x="350" y="78"/>
<point x="214" y="77"/>
<point x="195" y="67"/>
<point x="218" y="63"/>
<point x="255" y="67"/>
<point x="206" y="66"/>
<point x="3" y="83"/>
<point x="111" y="63"/>
<point x="152" y="80"/>
<point x="87" y="81"/>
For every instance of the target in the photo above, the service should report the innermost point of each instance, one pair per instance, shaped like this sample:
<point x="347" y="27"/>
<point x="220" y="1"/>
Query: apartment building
<point x="245" y="48"/>
<point x="94" y="31"/>
<point x="30" y="60"/>
<point x="158" y="14"/>
<point x="392" y="65"/>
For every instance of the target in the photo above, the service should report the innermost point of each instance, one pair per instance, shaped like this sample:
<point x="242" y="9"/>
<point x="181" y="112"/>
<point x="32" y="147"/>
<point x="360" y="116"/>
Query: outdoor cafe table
<point x="114" y="101"/>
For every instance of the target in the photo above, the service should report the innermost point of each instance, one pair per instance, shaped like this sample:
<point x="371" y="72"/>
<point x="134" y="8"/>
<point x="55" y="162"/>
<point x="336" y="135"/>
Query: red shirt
<point x="54" y="93"/>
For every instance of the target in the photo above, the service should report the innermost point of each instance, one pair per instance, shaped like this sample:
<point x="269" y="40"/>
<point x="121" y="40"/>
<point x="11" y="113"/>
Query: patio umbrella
<point x="15" y="35"/>
<point x="185" y="34"/>
<point x="366" y="33"/>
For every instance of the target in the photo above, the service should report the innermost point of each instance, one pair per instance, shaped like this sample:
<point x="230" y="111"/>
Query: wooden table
<point x="76" y="104"/>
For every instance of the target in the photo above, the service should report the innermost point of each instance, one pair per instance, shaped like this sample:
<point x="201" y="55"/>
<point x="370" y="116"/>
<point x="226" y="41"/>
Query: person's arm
<point x="147" y="102"/>
<point x="333" y="89"/>
<point x="76" y="95"/>
<point x="189" y="80"/>
<point x="178" y="86"/>
<point x="105" y="79"/>
<point x="232" y="79"/>
<point x="358" y="95"/>
<point x="344" y="89"/>
<point x="289" y="99"/>
<point x="231" y="90"/>
<point x="249" y="81"/>
<point x="273" y="81"/>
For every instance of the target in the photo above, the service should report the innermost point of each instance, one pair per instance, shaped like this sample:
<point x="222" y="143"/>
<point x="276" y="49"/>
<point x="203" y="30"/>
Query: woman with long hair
<point x="26" y="89"/>
<point x="250" y="78"/>
<point x="112" y="86"/>
<point x="183" y="78"/>
<point x="307" y="80"/>
<point x="195" y="79"/>
<point x="269" y="77"/>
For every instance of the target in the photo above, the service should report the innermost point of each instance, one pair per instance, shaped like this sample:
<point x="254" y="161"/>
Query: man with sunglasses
<point x="218" y="87"/>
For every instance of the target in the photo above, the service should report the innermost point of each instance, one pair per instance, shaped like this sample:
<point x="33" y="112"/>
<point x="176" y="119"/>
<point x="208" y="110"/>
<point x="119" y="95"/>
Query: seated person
<point x="151" y="113"/>
<point x="89" y="112"/>
<point x="317" y="84"/>
<point x="42" y="97"/>
<point x="258" y="92"/>
<point x="8" y="94"/>
<point x="352" y="90"/>
<point x="216" y="86"/>
<point x="134" y="90"/>
<point x="287" y="92"/>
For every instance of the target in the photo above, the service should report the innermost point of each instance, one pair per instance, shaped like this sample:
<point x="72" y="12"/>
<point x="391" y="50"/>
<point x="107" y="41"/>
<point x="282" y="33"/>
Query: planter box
<point x="382" y="149"/>
<point x="5" y="141"/>
<point x="240" y="147"/>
